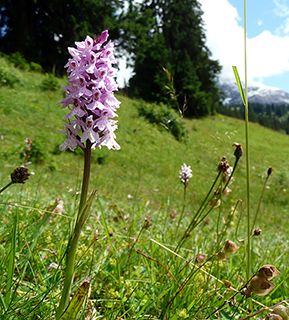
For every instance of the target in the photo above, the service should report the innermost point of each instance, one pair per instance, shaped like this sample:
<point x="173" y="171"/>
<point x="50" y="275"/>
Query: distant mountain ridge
<point x="256" y="94"/>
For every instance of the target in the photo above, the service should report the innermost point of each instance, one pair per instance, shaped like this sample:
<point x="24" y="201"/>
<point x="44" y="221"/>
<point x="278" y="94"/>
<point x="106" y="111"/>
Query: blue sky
<point x="267" y="38"/>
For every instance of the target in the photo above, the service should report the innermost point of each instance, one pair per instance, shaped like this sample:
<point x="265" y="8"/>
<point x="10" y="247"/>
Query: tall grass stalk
<point x="260" y="200"/>
<point x="244" y="97"/>
<point x="247" y="145"/>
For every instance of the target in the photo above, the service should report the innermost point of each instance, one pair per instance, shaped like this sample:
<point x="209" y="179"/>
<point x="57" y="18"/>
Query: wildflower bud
<point x="230" y="247"/>
<point x="268" y="272"/>
<point x="238" y="151"/>
<point x="257" y="232"/>
<point x="185" y="174"/>
<point x="200" y="258"/>
<point x="20" y="175"/>
<point x="269" y="171"/>
<point x="282" y="311"/>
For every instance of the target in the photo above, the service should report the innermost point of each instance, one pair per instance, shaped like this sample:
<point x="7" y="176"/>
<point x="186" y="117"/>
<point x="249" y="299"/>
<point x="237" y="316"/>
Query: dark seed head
<point x="20" y="175"/>
<point x="238" y="151"/>
<point x="269" y="172"/>
<point x="257" y="232"/>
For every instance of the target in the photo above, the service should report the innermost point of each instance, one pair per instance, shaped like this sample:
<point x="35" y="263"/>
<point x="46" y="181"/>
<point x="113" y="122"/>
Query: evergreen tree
<point x="42" y="30"/>
<point x="173" y="38"/>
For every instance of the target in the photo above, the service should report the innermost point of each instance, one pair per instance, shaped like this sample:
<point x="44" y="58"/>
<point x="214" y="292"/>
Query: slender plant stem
<point x="247" y="146"/>
<point x="197" y="214"/>
<point x="72" y="245"/>
<point x="183" y="208"/>
<point x="259" y="203"/>
<point x="7" y="186"/>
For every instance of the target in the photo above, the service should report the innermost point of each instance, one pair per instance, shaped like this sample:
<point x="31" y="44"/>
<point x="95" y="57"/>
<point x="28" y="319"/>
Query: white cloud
<point x="268" y="54"/>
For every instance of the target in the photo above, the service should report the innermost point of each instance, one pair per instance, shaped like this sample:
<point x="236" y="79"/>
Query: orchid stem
<point x="73" y="241"/>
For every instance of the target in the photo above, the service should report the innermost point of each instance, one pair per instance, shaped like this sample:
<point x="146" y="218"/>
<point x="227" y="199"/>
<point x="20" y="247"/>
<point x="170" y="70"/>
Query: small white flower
<point x="185" y="174"/>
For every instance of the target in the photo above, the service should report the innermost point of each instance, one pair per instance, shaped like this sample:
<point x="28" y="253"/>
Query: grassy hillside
<point x="139" y="180"/>
<point x="149" y="160"/>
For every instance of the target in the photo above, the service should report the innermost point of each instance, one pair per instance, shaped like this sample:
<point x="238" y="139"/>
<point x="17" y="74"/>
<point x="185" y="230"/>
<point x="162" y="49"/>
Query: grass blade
<point x="239" y="84"/>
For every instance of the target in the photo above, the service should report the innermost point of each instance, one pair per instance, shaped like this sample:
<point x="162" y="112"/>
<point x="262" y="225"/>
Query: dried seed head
<point x="269" y="171"/>
<point x="215" y="203"/>
<point x="259" y="285"/>
<point x="238" y="150"/>
<point x="20" y="175"/>
<point x="227" y="191"/>
<point x="147" y="222"/>
<point x="282" y="311"/>
<point x="221" y="255"/>
<point x="268" y="272"/>
<point x="223" y="165"/>
<point x="58" y="206"/>
<point x="227" y="284"/>
<point x="257" y="232"/>
<point x="230" y="247"/>
<point x="173" y="214"/>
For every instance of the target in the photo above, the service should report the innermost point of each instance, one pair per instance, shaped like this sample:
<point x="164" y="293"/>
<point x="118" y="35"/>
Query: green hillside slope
<point x="147" y="165"/>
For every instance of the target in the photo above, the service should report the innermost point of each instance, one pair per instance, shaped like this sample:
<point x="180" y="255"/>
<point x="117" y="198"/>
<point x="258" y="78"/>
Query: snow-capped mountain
<point x="256" y="94"/>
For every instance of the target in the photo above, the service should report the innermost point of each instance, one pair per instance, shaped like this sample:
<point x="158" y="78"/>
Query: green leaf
<point x="239" y="84"/>
<point x="77" y="301"/>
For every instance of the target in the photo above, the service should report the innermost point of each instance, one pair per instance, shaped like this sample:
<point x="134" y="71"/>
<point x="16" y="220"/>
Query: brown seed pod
<point x="230" y="247"/>
<point x="259" y="285"/>
<point x="268" y="272"/>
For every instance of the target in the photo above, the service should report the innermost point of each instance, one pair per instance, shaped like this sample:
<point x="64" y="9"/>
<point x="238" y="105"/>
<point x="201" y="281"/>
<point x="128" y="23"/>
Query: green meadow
<point x="127" y="248"/>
